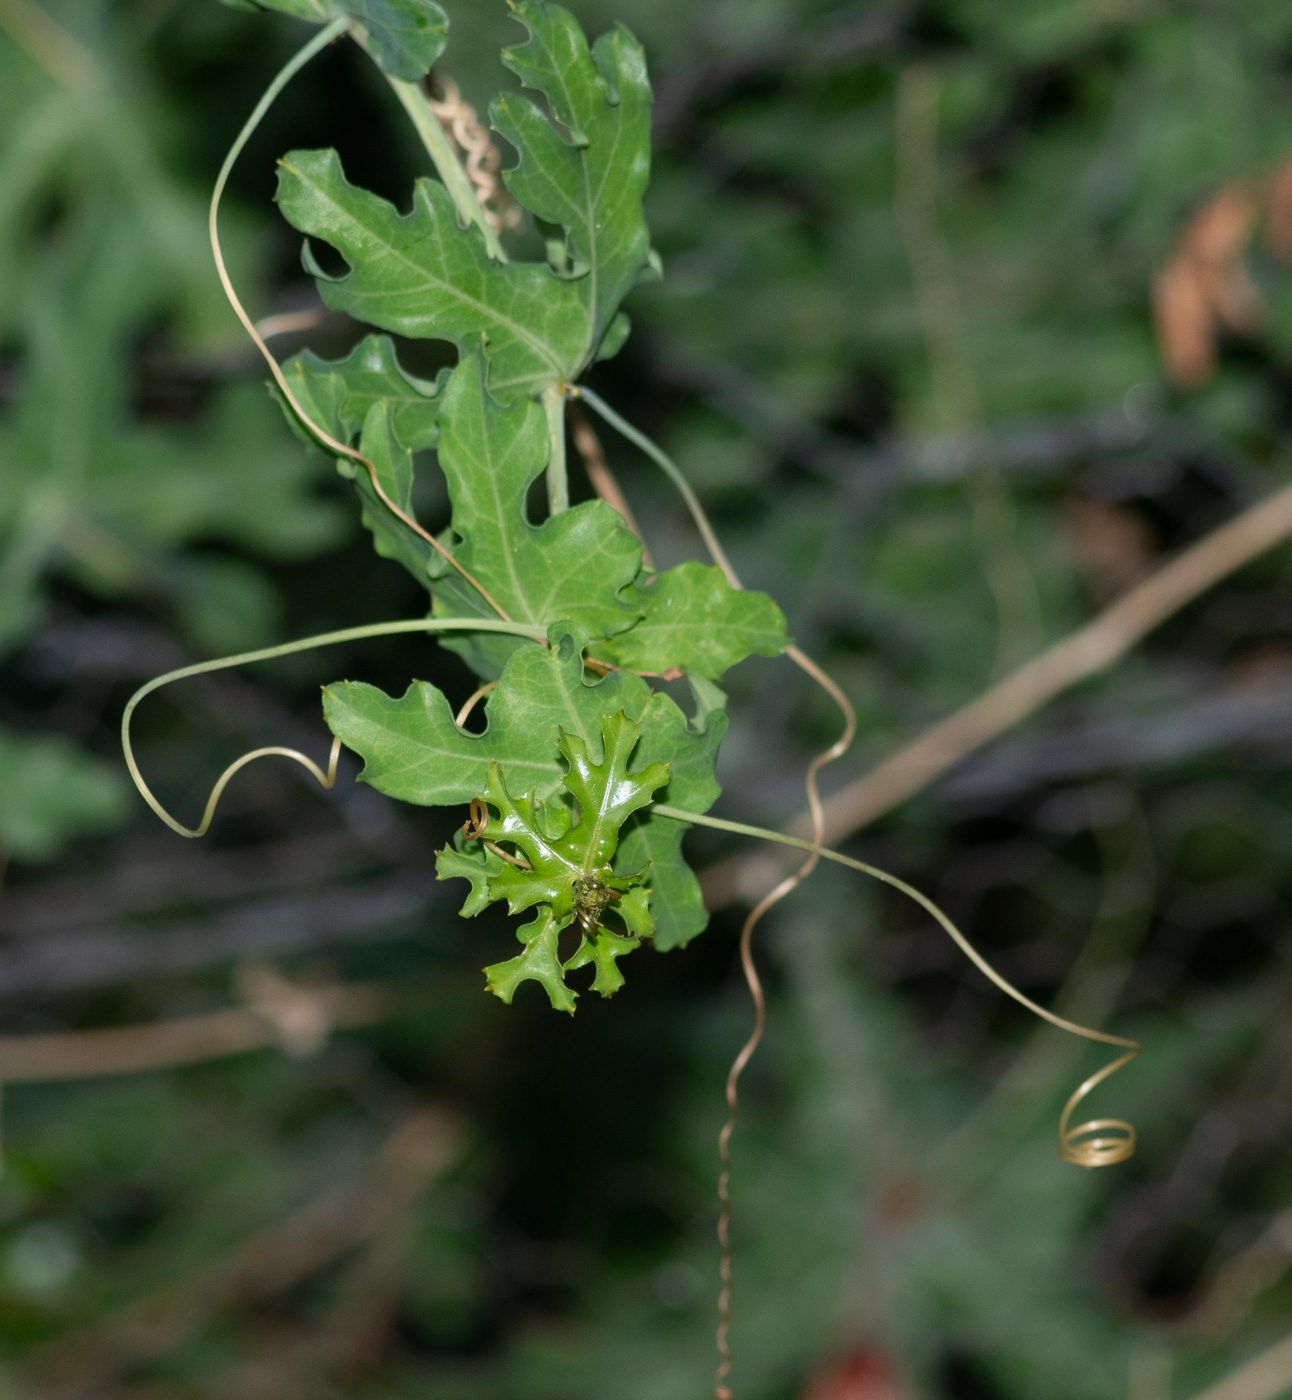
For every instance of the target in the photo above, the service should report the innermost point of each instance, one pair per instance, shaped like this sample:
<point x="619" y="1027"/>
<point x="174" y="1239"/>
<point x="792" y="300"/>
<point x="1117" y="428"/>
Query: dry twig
<point x="279" y="1013"/>
<point x="603" y="480"/>
<point x="1084" y="653"/>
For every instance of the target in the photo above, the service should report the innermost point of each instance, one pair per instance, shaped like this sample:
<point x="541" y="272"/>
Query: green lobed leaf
<point x="572" y="567"/>
<point x="366" y="398"/>
<point x="691" y="749"/>
<point x="406" y="36"/>
<point x="589" y="179"/>
<point x="423" y="275"/>
<point x="413" y="750"/>
<point x="540" y="962"/>
<point x="694" y="620"/>
<point x="341" y="392"/>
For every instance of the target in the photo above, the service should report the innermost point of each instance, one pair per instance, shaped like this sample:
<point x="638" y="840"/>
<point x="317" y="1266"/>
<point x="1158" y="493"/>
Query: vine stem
<point x="285" y="74"/>
<point x="438" y="147"/>
<point x="1075" y="1143"/>
<point x="324" y="639"/>
<point x="558" y="480"/>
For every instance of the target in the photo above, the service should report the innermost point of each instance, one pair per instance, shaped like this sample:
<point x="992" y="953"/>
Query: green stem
<point x="558" y="483"/>
<point x="284" y="76"/>
<point x="674" y="473"/>
<point x="443" y="156"/>
<point x="324" y="639"/>
<point x="974" y="956"/>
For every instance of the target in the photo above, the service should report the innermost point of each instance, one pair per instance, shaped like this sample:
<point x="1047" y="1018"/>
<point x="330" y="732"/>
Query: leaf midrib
<point x="544" y="352"/>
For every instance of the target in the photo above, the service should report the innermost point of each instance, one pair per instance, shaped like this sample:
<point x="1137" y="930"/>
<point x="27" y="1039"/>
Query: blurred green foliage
<point x="101" y="252"/>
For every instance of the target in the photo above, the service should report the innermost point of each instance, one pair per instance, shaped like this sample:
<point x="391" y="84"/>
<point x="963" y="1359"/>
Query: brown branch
<point x="1084" y="653"/>
<point x="588" y="445"/>
<point x="129" y="1049"/>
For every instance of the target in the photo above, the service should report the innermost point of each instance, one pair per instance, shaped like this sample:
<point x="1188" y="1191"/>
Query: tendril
<point x="325" y="639"/>
<point x="791" y="882"/>
<point x="472" y="701"/>
<point x="473" y="829"/>
<point x="460" y="123"/>
<point x="1099" y="1142"/>
<point x="288" y="71"/>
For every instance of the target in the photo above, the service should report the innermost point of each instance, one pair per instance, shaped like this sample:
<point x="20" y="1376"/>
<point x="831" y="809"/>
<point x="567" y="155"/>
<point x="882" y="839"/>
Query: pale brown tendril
<point x="588" y="446"/>
<point x="836" y="750"/>
<point x="327" y="781"/>
<point x="518" y="861"/>
<point x="1100" y="1142"/>
<point x="472" y="701"/>
<point x="805" y="663"/>
<point x="483" y="159"/>
<point x="473" y="829"/>
<point x="246" y="658"/>
<point x="321" y="40"/>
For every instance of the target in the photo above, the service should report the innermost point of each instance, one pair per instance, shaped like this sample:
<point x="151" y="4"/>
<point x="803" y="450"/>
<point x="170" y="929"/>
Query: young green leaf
<point x="540" y="962"/>
<point x="691" y="750"/>
<point x="694" y="620"/>
<point x="566" y="868"/>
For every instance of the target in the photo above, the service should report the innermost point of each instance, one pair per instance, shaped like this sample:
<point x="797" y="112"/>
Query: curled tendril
<point x="473" y="829"/>
<point x="483" y="159"/>
<point x="1099" y="1142"/>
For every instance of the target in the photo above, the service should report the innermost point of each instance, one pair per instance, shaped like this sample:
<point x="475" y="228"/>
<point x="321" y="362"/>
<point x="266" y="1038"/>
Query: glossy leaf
<point x="567" y="868"/>
<point x="691" y="750"/>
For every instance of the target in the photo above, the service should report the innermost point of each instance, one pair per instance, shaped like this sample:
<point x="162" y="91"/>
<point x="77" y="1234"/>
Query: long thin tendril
<point x="1085" y="1144"/>
<point x="285" y="74"/>
<point x="791" y="882"/>
<point x="325" y="639"/>
<point x="671" y="469"/>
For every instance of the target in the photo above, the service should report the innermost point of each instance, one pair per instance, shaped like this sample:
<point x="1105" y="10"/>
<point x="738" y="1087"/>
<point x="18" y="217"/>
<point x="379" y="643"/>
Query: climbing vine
<point x="585" y="774"/>
<point x="525" y="333"/>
